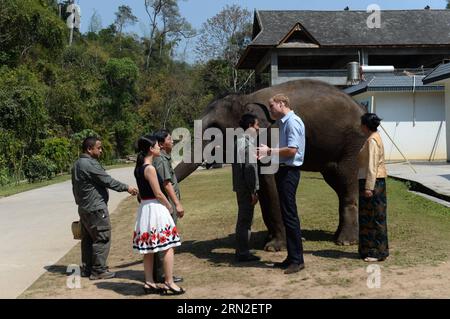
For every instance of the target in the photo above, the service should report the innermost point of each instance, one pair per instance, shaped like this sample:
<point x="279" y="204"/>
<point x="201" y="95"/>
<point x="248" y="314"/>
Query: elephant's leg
<point x="343" y="179"/>
<point x="270" y="208"/>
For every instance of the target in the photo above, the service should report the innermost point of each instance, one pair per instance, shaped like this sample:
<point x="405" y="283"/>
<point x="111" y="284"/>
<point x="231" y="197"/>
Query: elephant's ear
<point x="260" y="110"/>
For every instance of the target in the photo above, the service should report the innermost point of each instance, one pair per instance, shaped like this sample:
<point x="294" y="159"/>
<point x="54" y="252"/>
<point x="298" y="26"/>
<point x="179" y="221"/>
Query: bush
<point x="38" y="168"/>
<point x="108" y="154"/>
<point x="59" y="151"/>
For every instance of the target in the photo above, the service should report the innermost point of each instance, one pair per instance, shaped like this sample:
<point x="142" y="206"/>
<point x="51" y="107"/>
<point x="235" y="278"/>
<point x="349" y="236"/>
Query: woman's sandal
<point x="167" y="290"/>
<point x="150" y="290"/>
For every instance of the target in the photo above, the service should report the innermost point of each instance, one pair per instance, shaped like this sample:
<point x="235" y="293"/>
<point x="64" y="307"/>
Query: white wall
<point x="414" y="135"/>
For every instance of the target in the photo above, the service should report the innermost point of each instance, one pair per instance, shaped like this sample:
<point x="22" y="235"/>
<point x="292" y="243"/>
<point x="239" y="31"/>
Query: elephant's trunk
<point x="183" y="170"/>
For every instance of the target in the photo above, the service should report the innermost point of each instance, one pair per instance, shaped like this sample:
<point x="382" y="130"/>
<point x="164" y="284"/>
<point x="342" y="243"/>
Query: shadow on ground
<point x="123" y="288"/>
<point x="210" y="250"/>
<point x="207" y="249"/>
<point x="58" y="269"/>
<point x="317" y="235"/>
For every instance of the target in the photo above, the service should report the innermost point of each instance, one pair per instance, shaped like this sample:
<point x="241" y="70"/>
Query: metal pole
<point x="398" y="149"/>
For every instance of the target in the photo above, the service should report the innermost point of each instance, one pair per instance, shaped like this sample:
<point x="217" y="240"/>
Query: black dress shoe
<point x="293" y="268"/>
<point x="247" y="258"/>
<point x="85" y="274"/>
<point x="282" y="265"/>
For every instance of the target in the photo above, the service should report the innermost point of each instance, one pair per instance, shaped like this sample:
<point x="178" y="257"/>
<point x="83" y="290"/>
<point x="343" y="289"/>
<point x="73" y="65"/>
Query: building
<point x="441" y="76"/>
<point x="290" y="45"/>
<point x="413" y="115"/>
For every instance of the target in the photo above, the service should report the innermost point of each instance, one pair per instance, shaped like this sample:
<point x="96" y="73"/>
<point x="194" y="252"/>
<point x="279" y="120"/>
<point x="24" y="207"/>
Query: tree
<point x="448" y="4"/>
<point x="121" y="76"/>
<point x="224" y="37"/>
<point x="95" y="24"/>
<point x="124" y="17"/>
<point x="165" y="21"/>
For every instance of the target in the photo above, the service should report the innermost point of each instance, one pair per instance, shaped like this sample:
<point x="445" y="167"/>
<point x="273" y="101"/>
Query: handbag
<point x="76" y="230"/>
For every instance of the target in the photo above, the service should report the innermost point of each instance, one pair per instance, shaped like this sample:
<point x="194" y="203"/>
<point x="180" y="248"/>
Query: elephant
<point x="333" y="141"/>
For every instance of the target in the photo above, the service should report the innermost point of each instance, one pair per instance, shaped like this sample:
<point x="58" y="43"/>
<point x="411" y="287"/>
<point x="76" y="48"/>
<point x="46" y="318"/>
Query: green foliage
<point x="124" y="134"/>
<point x="121" y="74"/>
<point x="216" y="77"/>
<point x="108" y="149"/>
<point x="79" y="137"/>
<point x="60" y="151"/>
<point x="29" y="25"/>
<point x="22" y="108"/>
<point x="38" y="168"/>
<point x="108" y="83"/>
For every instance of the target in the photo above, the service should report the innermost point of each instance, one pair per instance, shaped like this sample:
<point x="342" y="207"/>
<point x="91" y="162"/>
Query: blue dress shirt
<point x="292" y="134"/>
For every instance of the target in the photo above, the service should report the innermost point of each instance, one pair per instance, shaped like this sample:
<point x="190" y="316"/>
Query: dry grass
<point x="419" y="233"/>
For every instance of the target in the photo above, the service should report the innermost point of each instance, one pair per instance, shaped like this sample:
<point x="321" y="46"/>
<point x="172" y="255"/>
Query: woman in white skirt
<point x="155" y="230"/>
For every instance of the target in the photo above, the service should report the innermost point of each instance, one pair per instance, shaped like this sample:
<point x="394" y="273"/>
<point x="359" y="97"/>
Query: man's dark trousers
<point x="244" y="222"/>
<point x="287" y="179"/>
<point x="95" y="240"/>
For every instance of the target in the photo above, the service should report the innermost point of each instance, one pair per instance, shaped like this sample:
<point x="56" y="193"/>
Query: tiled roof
<point x="439" y="73"/>
<point x="349" y="28"/>
<point x="393" y="84"/>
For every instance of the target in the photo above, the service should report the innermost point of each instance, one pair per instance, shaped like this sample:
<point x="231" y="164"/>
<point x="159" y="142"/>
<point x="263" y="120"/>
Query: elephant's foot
<point x="275" y="244"/>
<point x="346" y="237"/>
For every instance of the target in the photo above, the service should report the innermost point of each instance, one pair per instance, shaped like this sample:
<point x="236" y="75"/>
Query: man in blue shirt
<point x="291" y="152"/>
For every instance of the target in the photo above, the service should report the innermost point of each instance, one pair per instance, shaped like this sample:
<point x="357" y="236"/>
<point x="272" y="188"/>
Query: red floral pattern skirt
<point x="155" y="229"/>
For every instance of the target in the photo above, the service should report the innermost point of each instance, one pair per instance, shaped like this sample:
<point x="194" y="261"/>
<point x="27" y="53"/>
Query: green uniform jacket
<point x="245" y="175"/>
<point x="163" y="165"/>
<point x="90" y="184"/>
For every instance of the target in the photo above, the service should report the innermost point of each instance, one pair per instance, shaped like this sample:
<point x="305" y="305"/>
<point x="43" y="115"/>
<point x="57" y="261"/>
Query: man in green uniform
<point x="163" y="165"/>
<point x="246" y="185"/>
<point x="90" y="184"/>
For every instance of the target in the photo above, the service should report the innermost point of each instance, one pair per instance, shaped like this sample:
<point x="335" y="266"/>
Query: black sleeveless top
<point x="145" y="190"/>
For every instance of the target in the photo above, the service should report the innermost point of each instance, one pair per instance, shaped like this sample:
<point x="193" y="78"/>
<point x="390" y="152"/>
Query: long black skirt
<point x="373" y="238"/>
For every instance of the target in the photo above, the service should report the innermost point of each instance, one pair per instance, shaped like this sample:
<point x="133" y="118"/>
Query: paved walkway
<point x="432" y="175"/>
<point x="35" y="231"/>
